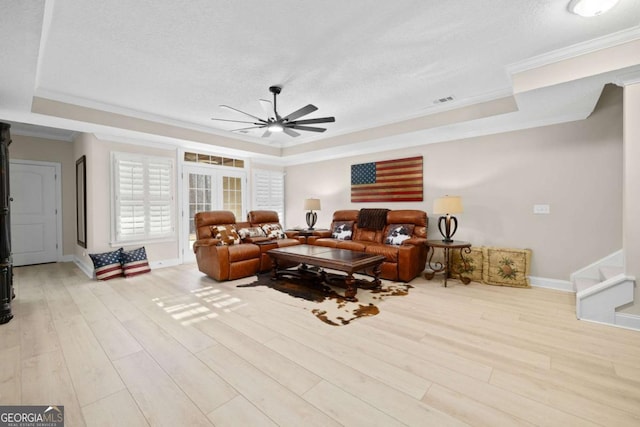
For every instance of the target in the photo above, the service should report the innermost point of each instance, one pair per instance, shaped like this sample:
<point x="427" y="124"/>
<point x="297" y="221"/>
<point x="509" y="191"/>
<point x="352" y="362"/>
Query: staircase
<point x="601" y="288"/>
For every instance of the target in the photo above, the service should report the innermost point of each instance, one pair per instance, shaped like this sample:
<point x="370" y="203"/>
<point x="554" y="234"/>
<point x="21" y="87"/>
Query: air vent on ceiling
<point x="443" y="100"/>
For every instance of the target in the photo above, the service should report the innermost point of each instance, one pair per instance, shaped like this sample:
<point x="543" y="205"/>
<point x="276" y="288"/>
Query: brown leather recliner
<point x="402" y="262"/>
<point x="223" y="262"/>
<point x="229" y="262"/>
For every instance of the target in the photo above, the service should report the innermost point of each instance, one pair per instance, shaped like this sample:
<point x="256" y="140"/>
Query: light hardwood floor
<point x="176" y="348"/>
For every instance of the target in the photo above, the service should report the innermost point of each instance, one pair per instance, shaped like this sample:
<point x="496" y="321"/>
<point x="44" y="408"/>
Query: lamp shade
<point x="312" y="204"/>
<point x="447" y="205"/>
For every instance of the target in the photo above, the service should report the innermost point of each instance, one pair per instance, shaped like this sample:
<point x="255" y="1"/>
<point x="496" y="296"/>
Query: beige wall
<point x="98" y="154"/>
<point x="574" y="167"/>
<point x="48" y="150"/>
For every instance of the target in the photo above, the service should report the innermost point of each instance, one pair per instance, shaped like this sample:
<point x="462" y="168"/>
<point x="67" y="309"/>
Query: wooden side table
<point x="306" y="233"/>
<point x="439" y="267"/>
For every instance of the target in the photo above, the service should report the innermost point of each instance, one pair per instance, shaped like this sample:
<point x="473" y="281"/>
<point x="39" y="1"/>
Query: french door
<point x="207" y="189"/>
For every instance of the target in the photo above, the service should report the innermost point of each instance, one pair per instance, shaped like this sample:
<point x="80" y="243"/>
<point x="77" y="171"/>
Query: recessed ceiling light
<point x="589" y="8"/>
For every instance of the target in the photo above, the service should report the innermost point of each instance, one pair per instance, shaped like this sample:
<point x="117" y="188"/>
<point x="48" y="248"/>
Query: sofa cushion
<point x="364" y="235"/>
<point x="342" y="230"/>
<point x="282" y="243"/>
<point x="251" y="232"/>
<point x="351" y="245"/>
<point x="273" y="231"/>
<point x="390" y="253"/>
<point x="227" y="234"/>
<point x="398" y="233"/>
<point x="327" y="242"/>
<point x="244" y="252"/>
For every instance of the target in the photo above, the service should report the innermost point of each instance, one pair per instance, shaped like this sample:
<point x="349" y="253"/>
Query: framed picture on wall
<point x="81" y="201"/>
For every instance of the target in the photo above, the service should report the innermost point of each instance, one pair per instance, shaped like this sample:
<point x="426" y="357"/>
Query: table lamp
<point x="447" y="205"/>
<point x="311" y="205"/>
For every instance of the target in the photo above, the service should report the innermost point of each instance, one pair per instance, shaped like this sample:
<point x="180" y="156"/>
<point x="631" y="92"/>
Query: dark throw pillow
<point x="107" y="265"/>
<point x="398" y="233"/>
<point x="342" y="230"/>
<point x="135" y="262"/>
<point x="273" y="231"/>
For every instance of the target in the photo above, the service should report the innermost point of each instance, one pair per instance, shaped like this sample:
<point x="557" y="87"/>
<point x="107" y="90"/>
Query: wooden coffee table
<point x="344" y="260"/>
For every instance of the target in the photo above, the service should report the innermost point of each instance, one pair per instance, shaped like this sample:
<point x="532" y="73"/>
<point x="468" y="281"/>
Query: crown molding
<point x="628" y="79"/>
<point x="578" y="49"/>
<point x="42" y="132"/>
<point x="136" y="114"/>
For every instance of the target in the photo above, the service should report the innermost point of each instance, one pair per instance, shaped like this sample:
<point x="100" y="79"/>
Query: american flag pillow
<point x="135" y="262"/>
<point x="107" y="265"/>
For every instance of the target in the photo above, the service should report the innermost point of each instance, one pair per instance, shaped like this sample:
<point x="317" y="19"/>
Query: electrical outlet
<point x="541" y="209"/>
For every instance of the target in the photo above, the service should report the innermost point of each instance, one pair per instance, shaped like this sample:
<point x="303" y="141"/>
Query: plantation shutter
<point x="143" y="196"/>
<point x="160" y="199"/>
<point x="268" y="192"/>
<point x="130" y="190"/>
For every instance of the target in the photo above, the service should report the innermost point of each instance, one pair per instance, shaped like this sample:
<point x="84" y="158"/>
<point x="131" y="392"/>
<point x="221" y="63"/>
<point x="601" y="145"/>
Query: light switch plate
<point x="542" y="209"/>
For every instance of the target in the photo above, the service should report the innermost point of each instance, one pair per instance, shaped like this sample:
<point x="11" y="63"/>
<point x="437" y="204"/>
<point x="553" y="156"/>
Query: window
<point x="143" y="198"/>
<point x="213" y="160"/>
<point x="268" y="191"/>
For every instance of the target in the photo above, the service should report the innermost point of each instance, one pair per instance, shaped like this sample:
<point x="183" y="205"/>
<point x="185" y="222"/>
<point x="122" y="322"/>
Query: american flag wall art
<point x="387" y="181"/>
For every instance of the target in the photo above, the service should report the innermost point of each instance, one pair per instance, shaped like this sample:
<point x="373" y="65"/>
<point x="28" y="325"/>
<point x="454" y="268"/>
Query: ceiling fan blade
<point x="267" y="106"/>
<point x="250" y="127"/>
<point x="266" y="134"/>
<point x="309" y="128"/>
<point x="312" y="121"/>
<point x="234" y="121"/>
<point x="290" y="132"/>
<point x="301" y="112"/>
<point x="242" y="112"/>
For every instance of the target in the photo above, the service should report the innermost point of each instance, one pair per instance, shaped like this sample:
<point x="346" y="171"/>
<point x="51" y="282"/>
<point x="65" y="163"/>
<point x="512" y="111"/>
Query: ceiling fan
<point x="276" y="123"/>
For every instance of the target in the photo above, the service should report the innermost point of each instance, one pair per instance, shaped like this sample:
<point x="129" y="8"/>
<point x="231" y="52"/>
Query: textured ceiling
<point x="176" y="61"/>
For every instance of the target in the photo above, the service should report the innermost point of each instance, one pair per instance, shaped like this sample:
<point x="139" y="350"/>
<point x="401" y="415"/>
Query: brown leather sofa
<point x="403" y="261"/>
<point x="229" y="262"/>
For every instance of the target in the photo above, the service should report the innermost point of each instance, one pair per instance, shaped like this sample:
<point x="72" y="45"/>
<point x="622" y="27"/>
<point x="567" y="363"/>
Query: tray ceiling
<point x="174" y="63"/>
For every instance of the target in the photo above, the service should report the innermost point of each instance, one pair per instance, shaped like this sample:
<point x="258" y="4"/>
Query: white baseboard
<point x="165" y="263"/>
<point x="67" y="258"/>
<point x="626" y="320"/>
<point x="616" y="325"/>
<point x="559" y="285"/>
<point x="86" y="269"/>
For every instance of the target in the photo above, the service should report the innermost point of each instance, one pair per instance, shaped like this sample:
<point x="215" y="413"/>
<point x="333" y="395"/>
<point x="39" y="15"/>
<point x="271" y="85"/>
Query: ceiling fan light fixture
<point x="590" y="8"/>
<point x="275" y="127"/>
<point x="288" y="124"/>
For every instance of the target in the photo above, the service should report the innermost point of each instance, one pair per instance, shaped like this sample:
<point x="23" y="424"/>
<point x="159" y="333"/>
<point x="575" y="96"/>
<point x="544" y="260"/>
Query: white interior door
<point x="206" y="189"/>
<point x="34" y="236"/>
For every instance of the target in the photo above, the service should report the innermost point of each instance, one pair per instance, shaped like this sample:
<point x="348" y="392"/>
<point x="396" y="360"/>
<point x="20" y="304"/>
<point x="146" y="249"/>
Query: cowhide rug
<point x="327" y="302"/>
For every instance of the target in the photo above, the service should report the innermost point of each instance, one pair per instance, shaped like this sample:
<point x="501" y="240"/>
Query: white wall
<point x="632" y="188"/>
<point x="575" y="167"/>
